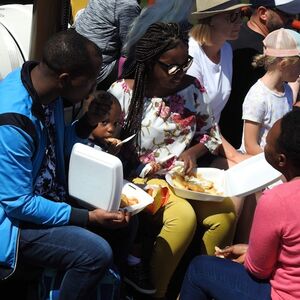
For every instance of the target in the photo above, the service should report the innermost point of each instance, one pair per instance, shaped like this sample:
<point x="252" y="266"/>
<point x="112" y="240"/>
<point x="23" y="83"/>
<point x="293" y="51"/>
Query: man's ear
<point x="281" y="160"/>
<point x="64" y="80"/>
<point x="262" y="13"/>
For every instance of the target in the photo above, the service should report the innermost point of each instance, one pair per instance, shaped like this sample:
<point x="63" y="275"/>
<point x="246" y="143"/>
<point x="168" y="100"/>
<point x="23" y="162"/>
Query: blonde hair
<point x="262" y="60"/>
<point x="202" y="32"/>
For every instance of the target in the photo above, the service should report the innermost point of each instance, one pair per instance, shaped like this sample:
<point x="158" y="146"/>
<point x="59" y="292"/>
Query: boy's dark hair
<point x="107" y="97"/>
<point x="68" y="51"/>
<point x="159" y="38"/>
<point x="289" y="139"/>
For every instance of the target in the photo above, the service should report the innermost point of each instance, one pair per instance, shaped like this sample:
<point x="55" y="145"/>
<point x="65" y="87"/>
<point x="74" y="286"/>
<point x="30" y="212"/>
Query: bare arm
<point x="230" y="153"/>
<point x="251" y="131"/>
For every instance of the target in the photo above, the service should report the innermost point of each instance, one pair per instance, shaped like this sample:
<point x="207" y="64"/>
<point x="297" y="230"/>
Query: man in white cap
<point x="267" y="16"/>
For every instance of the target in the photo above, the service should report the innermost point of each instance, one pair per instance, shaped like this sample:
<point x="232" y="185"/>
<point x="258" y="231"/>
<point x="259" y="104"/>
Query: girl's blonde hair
<point x="202" y="32"/>
<point x="262" y="60"/>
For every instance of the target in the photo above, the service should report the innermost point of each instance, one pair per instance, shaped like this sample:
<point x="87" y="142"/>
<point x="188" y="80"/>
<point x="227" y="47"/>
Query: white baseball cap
<point x="291" y="7"/>
<point x="282" y="43"/>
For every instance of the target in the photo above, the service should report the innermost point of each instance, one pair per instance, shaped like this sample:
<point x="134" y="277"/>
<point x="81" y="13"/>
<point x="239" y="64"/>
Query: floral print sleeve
<point x="170" y="124"/>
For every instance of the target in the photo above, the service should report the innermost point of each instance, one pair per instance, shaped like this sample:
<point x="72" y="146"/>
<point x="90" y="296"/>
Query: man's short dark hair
<point x="68" y="51"/>
<point x="289" y="139"/>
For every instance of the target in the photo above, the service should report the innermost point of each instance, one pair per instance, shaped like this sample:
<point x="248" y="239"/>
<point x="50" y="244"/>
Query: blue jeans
<point x="209" y="277"/>
<point x="83" y="254"/>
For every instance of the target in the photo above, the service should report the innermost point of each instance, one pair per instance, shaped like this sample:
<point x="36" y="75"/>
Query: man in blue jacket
<point x="37" y="226"/>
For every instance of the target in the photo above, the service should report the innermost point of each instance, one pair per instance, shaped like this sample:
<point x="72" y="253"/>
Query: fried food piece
<point x="127" y="201"/>
<point x="195" y="187"/>
<point x="179" y="181"/>
<point x="194" y="183"/>
<point x="113" y="141"/>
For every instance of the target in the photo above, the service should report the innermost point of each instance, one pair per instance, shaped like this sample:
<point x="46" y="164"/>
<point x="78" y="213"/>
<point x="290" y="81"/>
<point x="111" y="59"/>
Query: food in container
<point x="247" y="177"/>
<point x="96" y="180"/>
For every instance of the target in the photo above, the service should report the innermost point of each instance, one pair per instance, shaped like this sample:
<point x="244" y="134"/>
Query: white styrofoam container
<point x="245" y="178"/>
<point x="131" y="190"/>
<point x="95" y="177"/>
<point x="96" y="180"/>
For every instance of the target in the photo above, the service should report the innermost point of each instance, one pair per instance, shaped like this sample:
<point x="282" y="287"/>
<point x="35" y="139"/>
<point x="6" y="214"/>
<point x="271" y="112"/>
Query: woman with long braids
<point x="166" y="109"/>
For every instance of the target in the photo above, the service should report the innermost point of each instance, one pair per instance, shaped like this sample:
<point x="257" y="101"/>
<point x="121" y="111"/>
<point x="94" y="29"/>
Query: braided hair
<point x="288" y="141"/>
<point x="159" y="38"/>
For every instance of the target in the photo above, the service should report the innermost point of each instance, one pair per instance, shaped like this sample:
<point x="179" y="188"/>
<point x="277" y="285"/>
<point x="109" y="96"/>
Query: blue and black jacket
<point x="23" y="141"/>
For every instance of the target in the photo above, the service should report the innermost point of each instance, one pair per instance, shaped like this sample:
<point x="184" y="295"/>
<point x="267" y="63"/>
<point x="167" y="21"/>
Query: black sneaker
<point x="138" y="277"/>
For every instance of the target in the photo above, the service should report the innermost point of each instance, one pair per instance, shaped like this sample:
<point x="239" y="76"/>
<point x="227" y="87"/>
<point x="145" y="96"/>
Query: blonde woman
<point x="216" y="22"/>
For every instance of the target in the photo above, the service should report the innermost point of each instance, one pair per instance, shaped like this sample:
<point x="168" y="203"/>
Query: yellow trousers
<point x="178" y="220"/>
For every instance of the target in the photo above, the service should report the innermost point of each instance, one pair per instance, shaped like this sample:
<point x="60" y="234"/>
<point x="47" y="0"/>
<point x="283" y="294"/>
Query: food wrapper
<point x="160" y="195"/>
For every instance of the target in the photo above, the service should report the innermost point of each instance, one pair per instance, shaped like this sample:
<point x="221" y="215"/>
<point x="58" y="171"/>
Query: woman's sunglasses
<point x="235" y="15"/>
<point x="173" y="69"/>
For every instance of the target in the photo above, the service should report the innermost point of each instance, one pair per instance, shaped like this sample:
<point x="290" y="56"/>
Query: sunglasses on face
<point x="235" y="16"/>
<point x="173" y="69"/>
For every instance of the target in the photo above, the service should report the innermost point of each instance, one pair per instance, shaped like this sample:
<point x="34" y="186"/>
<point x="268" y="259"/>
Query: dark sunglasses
<point x="235" y="15"/>
<point x="173" y="69"/>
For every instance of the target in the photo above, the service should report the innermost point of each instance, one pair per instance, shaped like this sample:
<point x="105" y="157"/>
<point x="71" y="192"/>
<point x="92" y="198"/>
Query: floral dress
<point x="170" y="124"/>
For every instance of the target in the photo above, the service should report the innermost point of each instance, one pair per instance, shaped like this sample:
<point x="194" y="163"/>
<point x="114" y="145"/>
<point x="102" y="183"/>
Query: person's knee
<point x="200" y="265"/>
<point x="105" y="254"/>
<point x="224" y="221"/>
<point x="99" y="254"/>
<point x="220" y="232"/>
<point x="183" y="216"/>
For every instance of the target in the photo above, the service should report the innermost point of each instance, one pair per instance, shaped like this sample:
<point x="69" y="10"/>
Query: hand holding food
<point x="113" y="141"/>
<point x="190" y="160"/>
<point x="113" y="145"/>
<point x="235" y="252"/>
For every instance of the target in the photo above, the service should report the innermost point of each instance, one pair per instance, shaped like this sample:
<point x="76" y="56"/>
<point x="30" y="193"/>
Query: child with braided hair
<point x="166" y="110"/>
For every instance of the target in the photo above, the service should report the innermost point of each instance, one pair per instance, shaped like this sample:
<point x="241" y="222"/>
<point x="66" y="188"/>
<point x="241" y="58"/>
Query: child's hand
<point x="113" y="145"/>
<point x="155" y="167"/>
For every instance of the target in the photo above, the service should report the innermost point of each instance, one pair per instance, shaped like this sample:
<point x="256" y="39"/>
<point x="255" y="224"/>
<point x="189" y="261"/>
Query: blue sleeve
<point x="16" y="182"/>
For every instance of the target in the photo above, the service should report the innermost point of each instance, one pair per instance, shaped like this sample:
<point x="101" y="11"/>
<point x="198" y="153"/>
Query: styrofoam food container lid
<point x="96" y="180"/>
<point x="95" y="177"/>
<point x="245" y="178"/>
